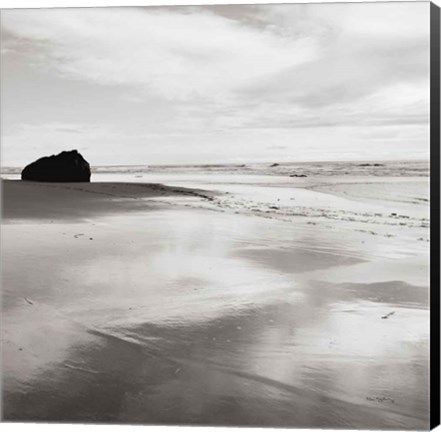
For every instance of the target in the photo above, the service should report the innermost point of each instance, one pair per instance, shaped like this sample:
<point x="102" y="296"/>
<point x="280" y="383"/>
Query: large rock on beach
<point x="68" y="166"/>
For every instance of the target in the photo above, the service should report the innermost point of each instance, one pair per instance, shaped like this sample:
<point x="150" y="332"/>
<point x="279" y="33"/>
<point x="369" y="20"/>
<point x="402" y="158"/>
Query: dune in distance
<point x="271" y="294"/>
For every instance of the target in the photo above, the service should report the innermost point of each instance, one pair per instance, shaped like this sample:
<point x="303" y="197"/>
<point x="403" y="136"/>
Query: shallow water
<point x="199" y="317"/>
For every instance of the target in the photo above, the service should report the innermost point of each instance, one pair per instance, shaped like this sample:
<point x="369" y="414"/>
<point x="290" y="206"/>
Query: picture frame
<point x="212" y="355"/>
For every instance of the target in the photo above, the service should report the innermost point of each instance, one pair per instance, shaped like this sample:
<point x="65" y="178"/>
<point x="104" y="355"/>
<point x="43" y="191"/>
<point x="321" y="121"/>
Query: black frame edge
<point x="434" y="215"/>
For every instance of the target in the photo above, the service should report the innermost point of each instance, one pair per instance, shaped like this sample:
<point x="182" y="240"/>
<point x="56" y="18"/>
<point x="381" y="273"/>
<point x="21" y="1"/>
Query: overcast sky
<point x="216" y="84"/>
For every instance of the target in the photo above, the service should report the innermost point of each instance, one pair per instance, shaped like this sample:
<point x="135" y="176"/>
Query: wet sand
<point x="170" y="304"/>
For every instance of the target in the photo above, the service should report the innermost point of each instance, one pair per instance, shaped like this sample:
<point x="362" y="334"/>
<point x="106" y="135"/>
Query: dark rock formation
<point x="68" y="166"/>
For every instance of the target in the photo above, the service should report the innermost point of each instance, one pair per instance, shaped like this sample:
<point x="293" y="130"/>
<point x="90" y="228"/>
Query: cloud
<point x="270" y="74"/>
<point x="174" y="54"/>
<point x="370" y="68"/>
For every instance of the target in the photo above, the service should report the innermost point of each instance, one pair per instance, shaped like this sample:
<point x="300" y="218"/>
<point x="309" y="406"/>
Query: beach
<point x="279" y="295"/>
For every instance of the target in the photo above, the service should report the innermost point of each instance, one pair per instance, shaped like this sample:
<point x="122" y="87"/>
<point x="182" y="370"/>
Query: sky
<point x="216" y="84"/>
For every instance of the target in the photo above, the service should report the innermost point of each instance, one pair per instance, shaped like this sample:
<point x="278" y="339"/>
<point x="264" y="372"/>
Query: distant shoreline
<point x="267" y="164"/>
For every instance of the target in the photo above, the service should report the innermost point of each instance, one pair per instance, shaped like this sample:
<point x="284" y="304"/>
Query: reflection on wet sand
<point x="192" y="316"/>
<point x="256" y="368"/>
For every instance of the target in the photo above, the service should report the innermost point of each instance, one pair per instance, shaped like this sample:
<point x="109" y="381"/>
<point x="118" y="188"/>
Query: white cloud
<point x="177" y="55"/>
<point x="213" y="80"/>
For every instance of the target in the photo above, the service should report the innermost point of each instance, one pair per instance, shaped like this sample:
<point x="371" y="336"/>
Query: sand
<point x="218" y="299"/>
